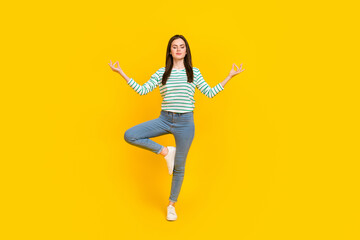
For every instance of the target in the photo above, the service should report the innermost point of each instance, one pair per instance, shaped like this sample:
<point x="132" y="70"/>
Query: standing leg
<point x="139" y="135"/>
<point x="184" y="135"/>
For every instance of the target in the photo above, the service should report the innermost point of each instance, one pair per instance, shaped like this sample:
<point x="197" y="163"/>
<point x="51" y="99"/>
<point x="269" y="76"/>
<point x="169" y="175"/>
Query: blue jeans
<point x="181" y="125"/>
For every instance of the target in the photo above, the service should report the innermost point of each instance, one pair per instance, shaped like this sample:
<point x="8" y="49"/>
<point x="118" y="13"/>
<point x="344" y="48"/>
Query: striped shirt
<point x="177" y="93"/>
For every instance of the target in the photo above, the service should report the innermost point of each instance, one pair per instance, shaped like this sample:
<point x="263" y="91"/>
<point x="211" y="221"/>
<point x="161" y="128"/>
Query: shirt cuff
<point x="130" y="81"/>
<point x="221" y="87"/>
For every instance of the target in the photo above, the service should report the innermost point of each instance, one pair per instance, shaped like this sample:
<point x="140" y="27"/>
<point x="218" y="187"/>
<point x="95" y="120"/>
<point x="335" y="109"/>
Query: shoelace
<point x="171" y="211"/>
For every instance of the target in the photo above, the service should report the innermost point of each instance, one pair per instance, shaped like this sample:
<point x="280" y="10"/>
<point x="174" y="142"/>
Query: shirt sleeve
<point x="147" y="87"/>
<point x="205" y="88"/>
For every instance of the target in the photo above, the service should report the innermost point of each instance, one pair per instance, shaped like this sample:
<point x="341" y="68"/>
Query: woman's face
<point x="178" y="49"/>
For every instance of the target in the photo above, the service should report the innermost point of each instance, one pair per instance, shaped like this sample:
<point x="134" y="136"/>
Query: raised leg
<point x="139" y="135"/>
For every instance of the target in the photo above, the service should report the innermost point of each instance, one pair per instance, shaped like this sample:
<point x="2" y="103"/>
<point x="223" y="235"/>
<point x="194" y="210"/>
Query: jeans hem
<point x="162" y="147"/>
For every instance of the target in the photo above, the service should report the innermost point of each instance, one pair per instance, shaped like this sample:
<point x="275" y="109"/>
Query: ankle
<point x="165" y="151"/>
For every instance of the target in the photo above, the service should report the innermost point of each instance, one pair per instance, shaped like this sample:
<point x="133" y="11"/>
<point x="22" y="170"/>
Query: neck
<point x="178" y="64"/>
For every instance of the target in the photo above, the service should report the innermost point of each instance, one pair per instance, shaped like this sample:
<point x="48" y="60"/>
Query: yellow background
<point x="275" y="155"/>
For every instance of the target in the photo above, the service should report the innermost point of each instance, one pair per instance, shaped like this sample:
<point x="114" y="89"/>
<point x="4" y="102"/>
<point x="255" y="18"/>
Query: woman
<point x="177" y="82"/>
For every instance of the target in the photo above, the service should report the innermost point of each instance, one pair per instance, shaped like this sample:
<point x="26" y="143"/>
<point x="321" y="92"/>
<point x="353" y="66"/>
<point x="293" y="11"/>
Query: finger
<point x="236" y="66"/>
<point x="241" y="70"/>
<point x="110" y="62"/>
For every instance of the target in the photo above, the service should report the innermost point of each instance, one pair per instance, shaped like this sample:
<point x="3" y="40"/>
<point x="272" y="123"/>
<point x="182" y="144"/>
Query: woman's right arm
<point x="140" y="89"/>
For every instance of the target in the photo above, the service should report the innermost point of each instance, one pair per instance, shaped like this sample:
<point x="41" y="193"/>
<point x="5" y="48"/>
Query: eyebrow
<point x="180" y="44"/>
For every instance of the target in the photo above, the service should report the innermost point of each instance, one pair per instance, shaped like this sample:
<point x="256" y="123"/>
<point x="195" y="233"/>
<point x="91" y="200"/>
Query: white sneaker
<point x="170" y="159"/>
<point x="171" y="214"/>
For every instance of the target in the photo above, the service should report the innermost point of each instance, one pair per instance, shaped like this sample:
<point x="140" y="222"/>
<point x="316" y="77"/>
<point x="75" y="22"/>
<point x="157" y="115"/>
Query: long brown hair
<point x="169" y="61"/>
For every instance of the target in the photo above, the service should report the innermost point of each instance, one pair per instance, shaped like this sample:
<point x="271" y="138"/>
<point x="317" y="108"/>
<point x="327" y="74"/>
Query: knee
<point x="128" y="136"/>
<point x="179" y="170"/>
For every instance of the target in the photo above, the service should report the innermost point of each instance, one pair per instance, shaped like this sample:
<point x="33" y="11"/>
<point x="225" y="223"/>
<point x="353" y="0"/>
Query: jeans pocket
<point x="188" y="118"/>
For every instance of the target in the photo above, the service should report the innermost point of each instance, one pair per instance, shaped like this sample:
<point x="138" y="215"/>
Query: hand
<point x="233" y="72"/>
<point x="115" y="69"/>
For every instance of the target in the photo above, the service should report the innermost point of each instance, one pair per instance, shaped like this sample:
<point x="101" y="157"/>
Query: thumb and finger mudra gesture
<point x="115" y="68"/>
<point x="234" y="72"/>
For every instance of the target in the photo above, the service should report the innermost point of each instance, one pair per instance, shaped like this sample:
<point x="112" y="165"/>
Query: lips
<point x="178" y="54"/>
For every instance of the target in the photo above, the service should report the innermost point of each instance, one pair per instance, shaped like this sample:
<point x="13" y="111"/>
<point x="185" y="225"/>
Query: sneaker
<point x="171" y="214"/>
<point x="170" y="159"/>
